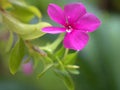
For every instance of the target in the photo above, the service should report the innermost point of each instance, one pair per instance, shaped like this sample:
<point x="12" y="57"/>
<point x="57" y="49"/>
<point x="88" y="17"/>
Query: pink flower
<point x="75" y="21"/>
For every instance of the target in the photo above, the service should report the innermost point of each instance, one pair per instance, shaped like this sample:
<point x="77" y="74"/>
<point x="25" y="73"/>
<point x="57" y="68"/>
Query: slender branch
<point x="2" y="10"/>
<point x="35" y="48"/>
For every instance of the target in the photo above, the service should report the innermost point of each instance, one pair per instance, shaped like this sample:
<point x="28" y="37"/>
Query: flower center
<point x="69" y="29"/>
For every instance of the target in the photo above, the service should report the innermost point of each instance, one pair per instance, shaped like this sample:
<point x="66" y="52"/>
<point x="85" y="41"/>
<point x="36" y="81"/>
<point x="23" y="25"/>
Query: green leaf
<point x="64" y="75"/>
<point x="28" y="11"/>
<point x="70" y="58"/>
<point x="9" y="43"/>
<point x="16" y="56"/>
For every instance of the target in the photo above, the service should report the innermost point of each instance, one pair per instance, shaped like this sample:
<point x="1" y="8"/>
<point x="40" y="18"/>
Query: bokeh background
<point x="99" y="62"/>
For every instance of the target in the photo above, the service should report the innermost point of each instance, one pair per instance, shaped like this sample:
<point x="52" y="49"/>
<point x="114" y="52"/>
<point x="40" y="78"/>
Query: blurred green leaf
<point x="16" y="56"/>
<point x="9" y="43"/>
<point x="28" y="11"/>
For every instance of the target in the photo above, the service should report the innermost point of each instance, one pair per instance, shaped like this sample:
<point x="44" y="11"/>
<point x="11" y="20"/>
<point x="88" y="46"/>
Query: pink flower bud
<point x="27" y="68"/>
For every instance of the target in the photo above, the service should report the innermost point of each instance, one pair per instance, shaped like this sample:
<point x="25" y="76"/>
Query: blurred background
<point x="99" y="62"/>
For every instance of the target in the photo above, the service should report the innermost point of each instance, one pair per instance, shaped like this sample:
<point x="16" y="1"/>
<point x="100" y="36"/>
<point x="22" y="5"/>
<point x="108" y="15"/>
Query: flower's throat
<point x="68" y="29"/>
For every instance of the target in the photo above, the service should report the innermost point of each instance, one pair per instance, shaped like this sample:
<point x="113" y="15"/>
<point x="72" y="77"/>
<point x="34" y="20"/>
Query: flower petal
<point x="89" y="23"/>
<point x="53" y="30"/>
<point x="56" y="14"/>
<point x="76" y="40"/>
<point x="74" y="11"/>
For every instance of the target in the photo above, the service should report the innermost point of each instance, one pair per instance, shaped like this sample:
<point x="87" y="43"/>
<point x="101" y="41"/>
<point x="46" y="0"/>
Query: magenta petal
<point x="56" y="13"/>
<point x="89" y="23"/>
<point x="76" y="40"/>
<point x="53" y="30"/>
<point x="73" y="11"/>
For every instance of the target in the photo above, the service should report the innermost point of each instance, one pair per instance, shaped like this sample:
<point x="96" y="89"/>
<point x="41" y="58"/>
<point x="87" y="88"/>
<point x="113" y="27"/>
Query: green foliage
<point x="52" y="56"/>
<point x="16" y="56"/>
<point x="28" y="11"/>
<point x="60" y="62"/>
<point x="26" y="31"/>
<point x="66" y="78"/>
<point x="46" y="68"/>
<point x="5" y="4"/>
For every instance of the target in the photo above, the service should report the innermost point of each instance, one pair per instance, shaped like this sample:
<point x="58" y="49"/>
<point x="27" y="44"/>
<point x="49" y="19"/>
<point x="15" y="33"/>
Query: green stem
<point x="66" y="52"/>
<point x="45" y="70"/>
